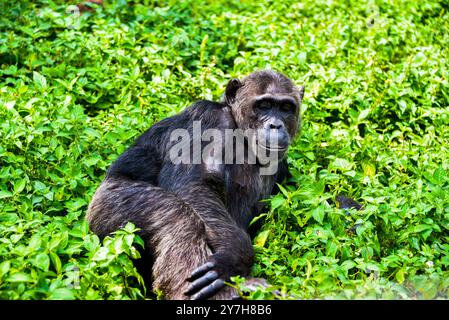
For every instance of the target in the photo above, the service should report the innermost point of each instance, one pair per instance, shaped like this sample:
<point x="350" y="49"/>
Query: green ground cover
<point x="76" y="90"/>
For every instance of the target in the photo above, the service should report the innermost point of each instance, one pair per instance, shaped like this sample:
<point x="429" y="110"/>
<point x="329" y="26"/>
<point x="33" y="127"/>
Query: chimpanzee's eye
<point x="287" y="107"/>
<point x="264" y="105"/>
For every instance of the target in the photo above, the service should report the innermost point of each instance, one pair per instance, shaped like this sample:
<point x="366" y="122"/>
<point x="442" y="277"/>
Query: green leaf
<point x="348" y="264"/>
<point x="101" y="254"/>
<point x="40" y="187"/>
<point x="341" y="164"/>
<point x="400" y="275"/>
<point x="262" y="238"/>
<point x="19" y="186"/>
<point x="62" y="294"/>
<point x="4" y="268"/>
<point x="5" y="194"/>
<point x="331" y="249"/>
<point x="277" y="201"/>
<point x="20" y="277"/>
<point x="56" y="262"/>
<point x="138" y="240"/>
<point x="419" y="59"/>
<point x="318" y="214"/>
<point x="136" y="71"/>
<point x="35" y="242"/>
<point x="42" y="261"/>
<point x="283" y="190"/>
<point x="363" y="114"/>
<point x="421" y="227"/>
<point x="39" y="79"/>
<point x="369" y="169"/>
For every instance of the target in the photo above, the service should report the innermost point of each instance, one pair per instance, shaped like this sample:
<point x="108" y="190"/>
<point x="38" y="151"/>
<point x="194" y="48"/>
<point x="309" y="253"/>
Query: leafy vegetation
<point x="75" y="90"/>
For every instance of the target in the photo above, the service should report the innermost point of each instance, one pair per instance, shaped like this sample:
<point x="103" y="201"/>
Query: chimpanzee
<point x="194" y="215"/>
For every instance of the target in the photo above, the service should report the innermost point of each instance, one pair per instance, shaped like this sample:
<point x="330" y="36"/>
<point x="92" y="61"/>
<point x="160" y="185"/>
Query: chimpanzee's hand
<point x="204" y="282"/>
<point x="234" y="259"/>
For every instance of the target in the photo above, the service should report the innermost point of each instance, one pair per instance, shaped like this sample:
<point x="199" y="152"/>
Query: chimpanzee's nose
<point x="275" y="124"/>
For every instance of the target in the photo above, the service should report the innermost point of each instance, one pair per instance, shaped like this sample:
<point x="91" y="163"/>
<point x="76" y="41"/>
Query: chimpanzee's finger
<point x="201" y="282"/>
<point x="209" y="291"/>
<point x="201" y="270"/>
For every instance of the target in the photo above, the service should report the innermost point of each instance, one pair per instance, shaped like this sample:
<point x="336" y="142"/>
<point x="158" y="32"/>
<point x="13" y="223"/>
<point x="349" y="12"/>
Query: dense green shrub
<point x="76" y="90"/>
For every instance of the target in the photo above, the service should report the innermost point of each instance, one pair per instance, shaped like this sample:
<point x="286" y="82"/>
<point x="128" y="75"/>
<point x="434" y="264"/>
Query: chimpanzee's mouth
<point x="273" y="148"/>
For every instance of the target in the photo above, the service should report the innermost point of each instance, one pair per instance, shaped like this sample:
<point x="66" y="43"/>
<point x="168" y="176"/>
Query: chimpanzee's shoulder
<point x="202" y="107"/>
<point x="211" y="114"/>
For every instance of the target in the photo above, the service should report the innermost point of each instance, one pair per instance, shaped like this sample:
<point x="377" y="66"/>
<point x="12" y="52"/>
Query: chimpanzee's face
<point x="276" y="118"/>
<point x="270" y="103"/>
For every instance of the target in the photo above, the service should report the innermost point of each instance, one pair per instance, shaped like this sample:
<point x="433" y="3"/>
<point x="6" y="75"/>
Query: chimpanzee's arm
<point x="231" y="245"/>
<point x="203" y="188"/>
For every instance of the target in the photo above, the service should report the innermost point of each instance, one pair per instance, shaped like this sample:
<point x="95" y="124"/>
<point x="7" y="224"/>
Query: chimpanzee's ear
<point x="231" y="90"/>
<point x="301" y="92"/>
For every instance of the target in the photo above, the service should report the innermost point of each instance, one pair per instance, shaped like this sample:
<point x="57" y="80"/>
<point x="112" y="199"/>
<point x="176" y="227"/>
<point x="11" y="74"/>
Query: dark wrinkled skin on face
<point x="194" y="218"/>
